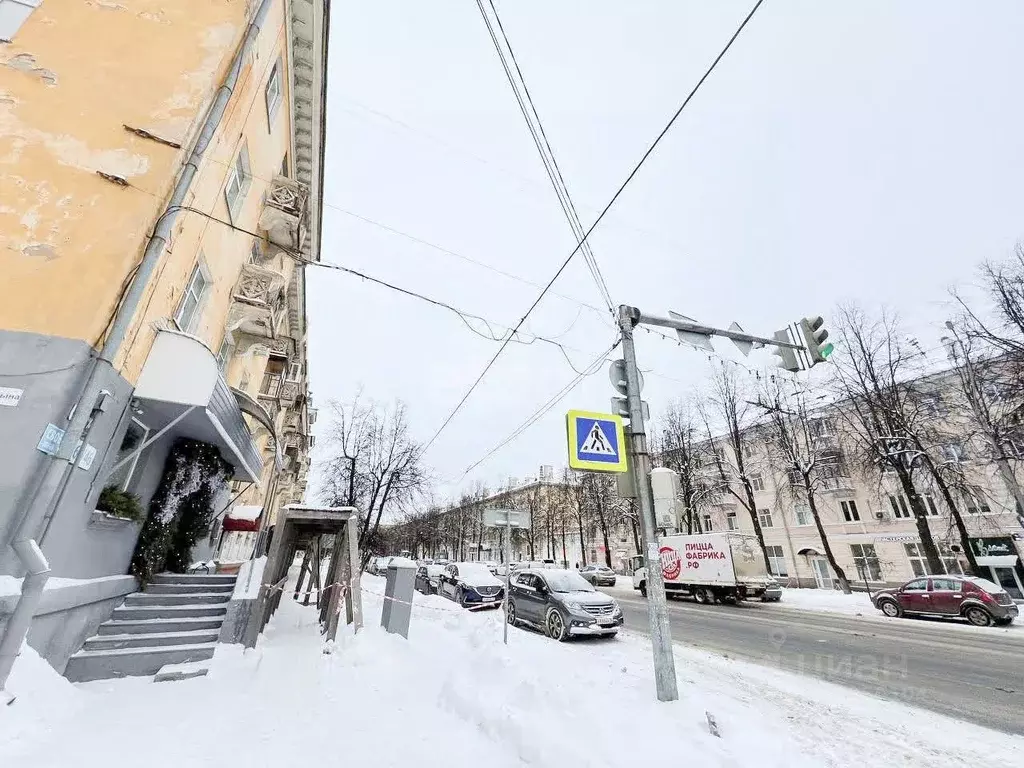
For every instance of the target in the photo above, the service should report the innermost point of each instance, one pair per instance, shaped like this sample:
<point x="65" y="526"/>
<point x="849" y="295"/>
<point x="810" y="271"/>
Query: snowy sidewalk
<point x="453" y="695"/>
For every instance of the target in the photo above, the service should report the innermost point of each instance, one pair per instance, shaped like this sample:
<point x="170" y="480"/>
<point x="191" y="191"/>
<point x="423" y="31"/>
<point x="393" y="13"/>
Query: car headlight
<point x="572" y="606"/>
<point x="618" y="609"/>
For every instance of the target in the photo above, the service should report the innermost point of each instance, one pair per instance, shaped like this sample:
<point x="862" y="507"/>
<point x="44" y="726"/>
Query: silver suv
<point x="561" y="603"/>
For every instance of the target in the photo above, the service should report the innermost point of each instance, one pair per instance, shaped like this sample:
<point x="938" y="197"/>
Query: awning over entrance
<point x="244" y="517"/>
<point x="808" y="551"/>
<point x="998" y="561"/>
<point x="180" y="389"/>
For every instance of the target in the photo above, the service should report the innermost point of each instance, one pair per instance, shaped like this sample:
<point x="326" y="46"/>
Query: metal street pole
<point x="640" y="466"/>
<point x="508" y="567"/>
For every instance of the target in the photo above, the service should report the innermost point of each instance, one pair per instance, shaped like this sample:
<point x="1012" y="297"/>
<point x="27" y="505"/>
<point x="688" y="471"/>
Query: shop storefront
<point x="999" y="560"/>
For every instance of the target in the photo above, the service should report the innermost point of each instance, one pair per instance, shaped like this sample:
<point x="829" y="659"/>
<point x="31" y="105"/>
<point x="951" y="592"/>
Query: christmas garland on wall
<point x="181" y="509"/>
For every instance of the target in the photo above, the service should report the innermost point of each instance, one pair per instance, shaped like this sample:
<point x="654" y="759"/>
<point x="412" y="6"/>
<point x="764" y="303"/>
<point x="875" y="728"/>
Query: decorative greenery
<point x="121" y="504"/>
<point x="181" y="509"/>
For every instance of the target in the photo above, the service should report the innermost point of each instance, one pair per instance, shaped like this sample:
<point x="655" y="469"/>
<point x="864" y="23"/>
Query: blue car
<point x="471" y="585"/>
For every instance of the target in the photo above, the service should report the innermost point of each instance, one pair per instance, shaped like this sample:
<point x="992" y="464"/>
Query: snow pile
<point x="42" y="698"/>
<point x="250" y="577"/>
<point x="829" y="600"/>
<point x="454" y="695"/>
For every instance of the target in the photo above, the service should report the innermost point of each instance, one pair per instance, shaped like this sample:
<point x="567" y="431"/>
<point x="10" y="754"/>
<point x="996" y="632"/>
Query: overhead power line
<point x="604" y="211"/>
<point x="517" y="81"/>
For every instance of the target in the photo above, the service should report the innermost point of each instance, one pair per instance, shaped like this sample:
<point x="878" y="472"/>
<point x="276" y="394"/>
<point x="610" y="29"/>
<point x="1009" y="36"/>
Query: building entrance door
<point x="1008" y="579"/>
<point x="822" y="574"/>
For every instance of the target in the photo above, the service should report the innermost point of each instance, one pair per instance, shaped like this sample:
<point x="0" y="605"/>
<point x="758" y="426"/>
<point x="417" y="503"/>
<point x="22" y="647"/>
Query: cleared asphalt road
<point x="959" y="671"/>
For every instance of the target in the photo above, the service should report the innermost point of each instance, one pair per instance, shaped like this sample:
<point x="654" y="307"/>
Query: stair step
<point x="139" y="599"/>
<point x="127" y="613"/>
<point x="188" y="578"/>
<point x="159" y="626"/>
<point x="150" y="639"/>
<point x="177" y="588"/>
<point x="132" y="662"/>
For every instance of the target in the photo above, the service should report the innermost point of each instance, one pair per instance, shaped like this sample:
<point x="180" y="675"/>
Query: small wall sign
<point x="10" y="397"/>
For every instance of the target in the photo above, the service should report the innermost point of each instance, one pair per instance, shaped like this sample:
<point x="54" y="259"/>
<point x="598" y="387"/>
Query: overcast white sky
<point x="868" y="151"/>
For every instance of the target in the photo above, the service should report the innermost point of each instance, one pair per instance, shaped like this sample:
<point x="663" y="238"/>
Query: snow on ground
<point x="454" y="695"/>
<point x="859" y="604"/>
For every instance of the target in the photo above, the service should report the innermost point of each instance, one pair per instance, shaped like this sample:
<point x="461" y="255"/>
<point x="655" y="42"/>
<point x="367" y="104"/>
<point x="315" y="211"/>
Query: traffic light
<point x="786" y="355"/>
<point x="816" y="338"/>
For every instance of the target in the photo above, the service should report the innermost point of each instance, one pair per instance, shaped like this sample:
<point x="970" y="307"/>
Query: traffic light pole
<point x="706" y="330"/>
<point x="640" y="467"/>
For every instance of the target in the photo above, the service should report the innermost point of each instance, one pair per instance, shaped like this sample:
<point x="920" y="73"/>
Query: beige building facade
<point x="161" y="189"/>
<point x="866" y="515"/>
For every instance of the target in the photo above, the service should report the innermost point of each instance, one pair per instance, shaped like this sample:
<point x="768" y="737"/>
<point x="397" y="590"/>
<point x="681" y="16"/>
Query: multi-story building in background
<point x="162" y="177"/>
<point x="865" y="512"/>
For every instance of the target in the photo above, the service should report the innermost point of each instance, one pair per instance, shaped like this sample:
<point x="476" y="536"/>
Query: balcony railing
<point x="285" y="213"/>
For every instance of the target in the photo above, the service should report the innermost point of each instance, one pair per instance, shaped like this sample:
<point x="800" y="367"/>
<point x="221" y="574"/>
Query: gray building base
<point x="67" y="615"/>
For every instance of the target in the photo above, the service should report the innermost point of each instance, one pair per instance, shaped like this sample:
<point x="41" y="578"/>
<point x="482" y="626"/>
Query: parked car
<point x="428" y="578"/>
<point x="598" y="575"/>
<point x="378" y="566"/>
<point x="772" y="593"/>
<point x="980" y="601"/>
<point x="492" y="566"/>
<point x="561" y="603"/>
<point x="471" y="584"/>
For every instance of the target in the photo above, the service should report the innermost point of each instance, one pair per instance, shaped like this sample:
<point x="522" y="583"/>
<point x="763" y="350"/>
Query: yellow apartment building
<point x="161" y="186"/>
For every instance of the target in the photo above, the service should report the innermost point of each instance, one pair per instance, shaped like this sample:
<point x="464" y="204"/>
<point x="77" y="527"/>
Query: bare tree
<point x="603" y="502"/>
<point x="728" y="402"/>
<point x="679" y="447"/>
<point x="374" y="464"/>
<point x="873" y="376"/>
<point x="798" y="442"/>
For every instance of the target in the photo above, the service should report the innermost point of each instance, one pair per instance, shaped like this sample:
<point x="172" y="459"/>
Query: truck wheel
<point x="643" y="589"/>
<point x="701" y="596"/>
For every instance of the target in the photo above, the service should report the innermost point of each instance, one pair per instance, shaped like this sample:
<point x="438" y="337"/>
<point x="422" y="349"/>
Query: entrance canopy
<point x="809" y="551"/>
<point x="181" y="390"/>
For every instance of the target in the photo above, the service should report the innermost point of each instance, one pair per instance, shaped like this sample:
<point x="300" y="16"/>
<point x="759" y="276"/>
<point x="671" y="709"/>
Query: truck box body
<point x="728" y="560"/>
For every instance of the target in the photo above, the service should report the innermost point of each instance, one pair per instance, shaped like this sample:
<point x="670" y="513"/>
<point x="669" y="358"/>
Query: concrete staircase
<point x="176" y="620"/>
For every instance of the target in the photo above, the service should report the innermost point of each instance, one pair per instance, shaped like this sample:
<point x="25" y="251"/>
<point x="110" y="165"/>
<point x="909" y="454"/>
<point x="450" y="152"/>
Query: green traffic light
<point x="826" y="350"/>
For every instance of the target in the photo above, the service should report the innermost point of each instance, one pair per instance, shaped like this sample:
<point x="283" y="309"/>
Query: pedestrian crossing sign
<point x="597" y="441"/>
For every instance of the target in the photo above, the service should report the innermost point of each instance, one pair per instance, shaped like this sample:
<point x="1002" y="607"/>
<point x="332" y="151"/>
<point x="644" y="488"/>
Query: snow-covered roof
<point x="248" y="512"/>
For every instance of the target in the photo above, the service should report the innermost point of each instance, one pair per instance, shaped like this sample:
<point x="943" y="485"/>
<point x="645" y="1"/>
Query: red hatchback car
<point x="980" y="601"/>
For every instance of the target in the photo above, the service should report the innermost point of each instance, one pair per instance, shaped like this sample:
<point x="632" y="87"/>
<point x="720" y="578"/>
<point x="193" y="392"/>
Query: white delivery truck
<point x="709" y="566"/>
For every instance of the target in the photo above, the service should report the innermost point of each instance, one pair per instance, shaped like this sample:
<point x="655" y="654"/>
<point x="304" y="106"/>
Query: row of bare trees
<point x="884" y="413"/>
<point x="569" y="518"/>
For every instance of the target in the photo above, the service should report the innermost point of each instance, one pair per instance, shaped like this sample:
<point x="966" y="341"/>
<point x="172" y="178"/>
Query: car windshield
<point x="567" y="581"/>
<point x="471" y="572"/>
<point x="989" y="586"/>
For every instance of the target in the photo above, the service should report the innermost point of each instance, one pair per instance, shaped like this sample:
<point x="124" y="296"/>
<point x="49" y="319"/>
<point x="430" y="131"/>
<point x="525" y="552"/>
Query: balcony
<point x="258" y="302"/>
<point x="285" y="214"/>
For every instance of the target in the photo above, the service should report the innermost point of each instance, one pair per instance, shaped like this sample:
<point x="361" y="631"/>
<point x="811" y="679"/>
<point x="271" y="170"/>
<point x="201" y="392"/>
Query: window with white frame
<point x="191" y="304"/>
<point x="776" y="560"/>
<point x="708" y="527"/>
<point x="294" y="371"/>
<point x="14" y="13"/>
<point x="850" y="512"/>
<point x="865" y="560"/>
<point x="274" y="93"/>
<point x="134" y="437"/>
<point x="802" y="512"/>
<point x="730" y="521"/>
<point x="822" y="428"/>
<point x="224" y="356"/>
<point x="950" y="560"/>
<point x="757" y="482"/>
<point x="764" y="517"/>
<point x="975" y="503"/>
<point x="254" y="252"/>
<point x="239" y="179"/>
<point x="900" y="507"/>
<point x="918" y="561"/>
<point x="930" y="505"/>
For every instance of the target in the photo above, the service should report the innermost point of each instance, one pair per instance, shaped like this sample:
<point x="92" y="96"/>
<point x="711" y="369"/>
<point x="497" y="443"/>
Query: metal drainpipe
<point x="58" y="473"/>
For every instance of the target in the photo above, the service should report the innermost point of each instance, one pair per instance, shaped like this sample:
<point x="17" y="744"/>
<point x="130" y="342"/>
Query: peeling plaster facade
<point x="100" y="104"/>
